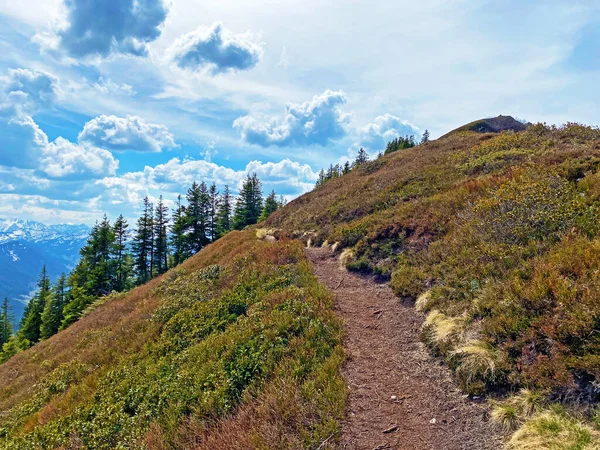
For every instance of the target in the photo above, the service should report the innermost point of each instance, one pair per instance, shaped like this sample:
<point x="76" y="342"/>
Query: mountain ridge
<point x="25" y="246"/>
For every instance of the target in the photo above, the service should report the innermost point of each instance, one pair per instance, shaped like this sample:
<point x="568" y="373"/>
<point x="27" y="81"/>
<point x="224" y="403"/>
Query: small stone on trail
<point x="433" y="421"/>
<point x="390" y="429"/>
<point x="393" y="397"/>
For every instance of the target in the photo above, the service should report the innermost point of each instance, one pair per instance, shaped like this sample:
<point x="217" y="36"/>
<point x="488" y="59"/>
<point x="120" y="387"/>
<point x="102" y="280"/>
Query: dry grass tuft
<point x="476" y="365"/>
<point x="423" y="301"/>
<point x="347" y="257"/>
<point x="507" y="416"/>
<point x="440" y="331"/>
<point x="553" y="430"/>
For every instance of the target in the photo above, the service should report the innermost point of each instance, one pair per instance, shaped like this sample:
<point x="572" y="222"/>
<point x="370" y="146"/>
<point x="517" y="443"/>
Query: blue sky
<point x="105" y="101"/>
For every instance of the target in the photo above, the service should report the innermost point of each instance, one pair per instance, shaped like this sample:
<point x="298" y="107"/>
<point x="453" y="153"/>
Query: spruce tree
<point x="143" y="243"/>
<point x="32" y="318"/>
<point x="271" y="205"/>
<point x="224" y="224"/>
<point x="161" y="250"/>
<point x="52" y="316"/>
<point x="5" y="323"/>
<point x="197" y="211"/>
<point x="119" y="254"/>
<point x="425" y="138"/>
<point x="213" y="208"/>
<point x="249" y="203"/>
<point x="347" y="168"/>
<point x="178" y="236"/>
<point x="361" y="158"/>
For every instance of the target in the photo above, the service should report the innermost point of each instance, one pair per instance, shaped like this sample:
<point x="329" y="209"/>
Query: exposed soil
<point x="399" y="396"/>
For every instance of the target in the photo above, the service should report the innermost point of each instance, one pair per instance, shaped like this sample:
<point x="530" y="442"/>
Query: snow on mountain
<point x="25" y="246"/>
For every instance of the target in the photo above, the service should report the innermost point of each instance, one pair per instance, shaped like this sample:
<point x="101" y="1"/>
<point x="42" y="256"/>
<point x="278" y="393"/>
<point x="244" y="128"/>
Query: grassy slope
<point x="236" y="348"/>
<point x="496" y="237"/>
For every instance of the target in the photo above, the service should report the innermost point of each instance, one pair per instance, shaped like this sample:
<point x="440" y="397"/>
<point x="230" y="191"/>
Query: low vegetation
<point x="236" y="348"/>
<point x="495" y="236"/>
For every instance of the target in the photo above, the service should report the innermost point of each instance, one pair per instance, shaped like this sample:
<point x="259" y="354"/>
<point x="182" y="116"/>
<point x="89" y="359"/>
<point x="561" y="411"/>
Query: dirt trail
<point x="385" y="359"/>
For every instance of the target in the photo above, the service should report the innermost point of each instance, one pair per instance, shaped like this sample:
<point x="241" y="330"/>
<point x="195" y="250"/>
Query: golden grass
<point x="554" y="431"/>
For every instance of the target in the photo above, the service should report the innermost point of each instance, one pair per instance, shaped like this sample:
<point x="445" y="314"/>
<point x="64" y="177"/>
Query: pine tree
<point x="361" y="158"/>
<point x="347" y="168"/>
<point x="197" y="210"/>
<point x="5" y="323"/>
<point x="213" y="208"/>
<point x="178" y="230"/>
<point x="321" y="178"/>
<point x="32" y="317"/>
<point x="224" y="213"/>
<point x="249" y="203"/>
<point x="52" y="316"/>
<point x="143" y="243"/>
<point x="425" y="138"/>
<point x="119" y="254"/>
<point x="271" y="205"/>
<point x="161" y="250"/>
<point x="95" y="273"/>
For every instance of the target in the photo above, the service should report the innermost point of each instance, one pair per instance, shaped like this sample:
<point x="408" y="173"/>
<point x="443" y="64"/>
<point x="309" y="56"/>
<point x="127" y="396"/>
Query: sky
<point x="103" y="102"/>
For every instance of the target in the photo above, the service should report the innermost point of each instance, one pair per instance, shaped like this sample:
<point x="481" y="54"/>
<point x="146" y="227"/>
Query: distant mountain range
<point x="25" y="246"/>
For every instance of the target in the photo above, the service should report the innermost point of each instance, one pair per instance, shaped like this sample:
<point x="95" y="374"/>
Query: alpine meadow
<point x="323" y="225"/>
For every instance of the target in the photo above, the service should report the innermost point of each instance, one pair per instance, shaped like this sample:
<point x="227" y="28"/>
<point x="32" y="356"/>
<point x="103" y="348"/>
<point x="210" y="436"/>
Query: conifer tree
<point x="197" y="198"/>
<point x="32" y="318"/>
<point x="178" y="230"/>
<point x="249" y="203"/>
<point x="5" y="323"/>
<point x="161" y="250"/>
<point x="52" y="316"/>
<point x="347" y="168"/>
<point x="213" y="208"/>
<point x="361" y="158"/>
<point x="321" y="178"/>
<point x="425" y="138"/>
<point x="271" y="205"/>
<point x="224" y="213"/>
<point x="119" y="254"/>
<point x="143" y="243"/>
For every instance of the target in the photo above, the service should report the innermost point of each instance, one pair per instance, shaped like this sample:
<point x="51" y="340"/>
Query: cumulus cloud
<point x="176" y="175"/>
<point x="21" y="141"/>
<point x="63" y="158"/>
<point x="100" y="28"/>
<point x="216" y="50"/>
<point x="25" y="91"/>
<point x="383" y="129"/>
<point x="24" y="145"/>
<point x="126" y="133"/>
<point x="315" y="122"/>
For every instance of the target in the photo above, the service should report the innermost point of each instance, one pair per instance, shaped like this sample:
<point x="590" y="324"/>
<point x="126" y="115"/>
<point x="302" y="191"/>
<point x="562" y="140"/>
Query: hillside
<point x="489" y="240"/>
<point x="495" y="237"/>
<point x="242" y="326"/>
<point x="492" y="125"/>
<point x="25" y="247"/>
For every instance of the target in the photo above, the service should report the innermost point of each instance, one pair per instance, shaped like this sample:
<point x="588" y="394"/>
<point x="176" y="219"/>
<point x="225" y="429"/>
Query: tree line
<point x="116" y="259"/>
<point x="338" y="170"/>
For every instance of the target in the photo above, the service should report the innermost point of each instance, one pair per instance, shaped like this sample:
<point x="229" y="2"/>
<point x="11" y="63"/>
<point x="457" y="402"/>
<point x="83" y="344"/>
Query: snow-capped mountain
<point x="25" y="246"/>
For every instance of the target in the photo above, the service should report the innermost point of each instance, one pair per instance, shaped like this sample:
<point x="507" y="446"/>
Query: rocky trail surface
<point x="399" y="396"/>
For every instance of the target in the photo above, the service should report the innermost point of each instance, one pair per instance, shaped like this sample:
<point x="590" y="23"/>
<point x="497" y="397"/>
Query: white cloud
<point x="63" y="158"/>
<point x="315" y="122"/>
<point x="101" y="28"/>
<point x="109" y="87"/>
<point x="126" y="133"/>
<point x="382" y="130"/>
<point x="25" y="91"/>
<point x="216" y="50"/>
<point x="175" y="177"/>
